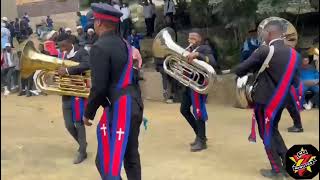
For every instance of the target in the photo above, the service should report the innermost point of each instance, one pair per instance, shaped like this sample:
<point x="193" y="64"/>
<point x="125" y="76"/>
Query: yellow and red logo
<point x="302" y="161"/>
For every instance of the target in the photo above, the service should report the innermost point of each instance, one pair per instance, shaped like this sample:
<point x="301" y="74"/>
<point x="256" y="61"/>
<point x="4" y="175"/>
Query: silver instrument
<point x="197" y="75"/>
<point x="290" y="36"/>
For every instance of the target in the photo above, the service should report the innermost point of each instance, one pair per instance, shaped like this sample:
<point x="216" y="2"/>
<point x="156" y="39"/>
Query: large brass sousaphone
<point x="198" y="75"/>
<point x="48" y="80"/>
<point x="290" y="35"/>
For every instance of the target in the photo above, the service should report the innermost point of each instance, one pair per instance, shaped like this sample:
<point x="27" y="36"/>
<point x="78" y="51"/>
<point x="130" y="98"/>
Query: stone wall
<point x="48" y="7"/>
<point x="222" y="92"/>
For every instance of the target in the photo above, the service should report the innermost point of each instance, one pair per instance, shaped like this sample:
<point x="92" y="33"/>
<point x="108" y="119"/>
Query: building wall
<point x="48" y="7"/>
<point x="9" y="9"/>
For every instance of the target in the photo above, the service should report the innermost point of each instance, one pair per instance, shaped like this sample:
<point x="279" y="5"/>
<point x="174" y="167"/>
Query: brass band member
<point x="271" y="93"/>
<point x="73" y="107"/>
<point x="199" y="116"/>
<point x="111" y="66"/>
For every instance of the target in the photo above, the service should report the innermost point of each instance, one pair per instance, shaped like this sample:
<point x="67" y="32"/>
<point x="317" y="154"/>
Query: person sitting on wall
<point x="310" y="77"/>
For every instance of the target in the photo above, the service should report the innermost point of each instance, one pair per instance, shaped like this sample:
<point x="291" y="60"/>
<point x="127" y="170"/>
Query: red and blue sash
<point x="114" y="128"/>
<point x="199" y="105"/>
<point x="297" y="95"/>
<point x="276" y="100"/>
<point x="278" y="97"/>
<point x="79" y="105"/>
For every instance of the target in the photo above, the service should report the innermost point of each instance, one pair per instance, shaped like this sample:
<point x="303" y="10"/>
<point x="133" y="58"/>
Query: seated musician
<point x="190" y="97"/>
<point x="73" y="107"/>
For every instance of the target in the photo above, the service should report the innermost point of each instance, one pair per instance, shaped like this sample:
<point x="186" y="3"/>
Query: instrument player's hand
<point x="62" y="71"/>
<point x="192" y="56"/>
<point x="86" y="121"/>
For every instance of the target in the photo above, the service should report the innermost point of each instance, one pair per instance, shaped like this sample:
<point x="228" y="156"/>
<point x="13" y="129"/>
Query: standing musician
<point x="114" y="89"/>
<point x="271" y="93"/>
<point x="190" y="97"/>
<point x="73" y="107"/>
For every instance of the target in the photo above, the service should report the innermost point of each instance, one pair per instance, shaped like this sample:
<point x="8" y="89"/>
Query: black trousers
<point x="148" y="22"/>
<point x="26" y="84"/>
<point x="276" y="152"/>
<point x="198" y="125"/>
<point x="152" y="23"/>
<point x="131" y="159"/>
<point x="125" y="28"/>
<point x="76" y="130"/>
<point x="294" y="113"/>
<point x="7" y="75"/>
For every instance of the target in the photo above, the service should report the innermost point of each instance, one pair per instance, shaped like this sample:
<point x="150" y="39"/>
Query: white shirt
<point x="169" y="7"/>
<point x="9" y="60"/>
<point x="125" y="13"/>
<point x="71" y="53"/>
<point x="117" y="7"/>
<point x="147" y="11"/>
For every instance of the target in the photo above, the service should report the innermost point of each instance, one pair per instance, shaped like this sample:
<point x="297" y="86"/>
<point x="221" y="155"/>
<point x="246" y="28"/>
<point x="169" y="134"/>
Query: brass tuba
<point x="198" y="75"/>
<point x="48" y="80"/>
<point x="290" y="36"/>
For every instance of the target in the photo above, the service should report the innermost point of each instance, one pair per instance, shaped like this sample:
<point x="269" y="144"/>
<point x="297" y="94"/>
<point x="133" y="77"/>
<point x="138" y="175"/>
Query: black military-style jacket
<point x="82" y="57"/>
<point x="108" y="59"/>
<point x="205" y="54"/>
<point x="268" y="79"/>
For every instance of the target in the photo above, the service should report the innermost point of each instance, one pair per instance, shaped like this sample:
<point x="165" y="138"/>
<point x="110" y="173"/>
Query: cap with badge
<point x="106" y="12"/>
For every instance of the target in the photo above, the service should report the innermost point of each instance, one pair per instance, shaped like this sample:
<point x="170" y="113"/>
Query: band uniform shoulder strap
<point x="267" y="60"/>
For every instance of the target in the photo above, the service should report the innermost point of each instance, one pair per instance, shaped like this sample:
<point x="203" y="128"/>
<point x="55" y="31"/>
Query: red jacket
<point x="50" y="46"/>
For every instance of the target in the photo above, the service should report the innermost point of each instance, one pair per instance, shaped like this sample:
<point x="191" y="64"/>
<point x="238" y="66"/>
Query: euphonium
<point x="290" y="37"/>
<point x="198" y="75"/>
<point x="48" y="80"/>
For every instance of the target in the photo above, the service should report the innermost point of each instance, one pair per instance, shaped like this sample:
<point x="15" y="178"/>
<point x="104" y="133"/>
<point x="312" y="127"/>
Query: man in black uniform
<point x="113" y="87"/>
<point x="271" y="93"/>
<point x="73" y="123"/>
<point x="190" y="97"/>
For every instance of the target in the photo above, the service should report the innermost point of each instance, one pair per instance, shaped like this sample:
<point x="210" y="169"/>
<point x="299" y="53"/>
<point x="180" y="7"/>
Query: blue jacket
<point x="309" y="73"/>
<point x="83" y="21"/>
<point x="249" y="46"/>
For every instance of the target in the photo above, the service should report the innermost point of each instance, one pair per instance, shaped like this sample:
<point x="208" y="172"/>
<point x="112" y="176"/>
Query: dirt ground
<point x="36" y="146"/>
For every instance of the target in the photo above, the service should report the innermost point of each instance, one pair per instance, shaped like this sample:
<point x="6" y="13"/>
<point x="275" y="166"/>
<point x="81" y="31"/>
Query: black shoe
<point x="199" y="145"/>
<point x="22" y="93"/>
<point x="295" y="129"/>
<point x="28" y="94"/>
<point x="268" y="173"/>
<point x="79" y="158"/>
<point x="195" y="141"/>
<point x="79" y="147"/>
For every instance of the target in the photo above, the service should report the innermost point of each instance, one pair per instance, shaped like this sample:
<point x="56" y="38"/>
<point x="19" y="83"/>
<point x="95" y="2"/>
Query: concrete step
<point x="223" y="91"/>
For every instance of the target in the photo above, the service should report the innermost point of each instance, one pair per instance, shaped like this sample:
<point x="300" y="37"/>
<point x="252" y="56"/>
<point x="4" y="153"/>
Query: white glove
<point x="241" y="81"/>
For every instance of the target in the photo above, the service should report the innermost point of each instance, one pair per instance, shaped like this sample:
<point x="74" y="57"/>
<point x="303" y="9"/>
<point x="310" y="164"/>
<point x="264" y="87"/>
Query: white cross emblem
<point x="300" y="97"/>
<point x="198" y="110"/>
<point x="104" y="128"/>
<point x="267" y="120"/>
<point x="77" y="98"/>
<point x="120" y="132"/>
<point x="298" y="103"/>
